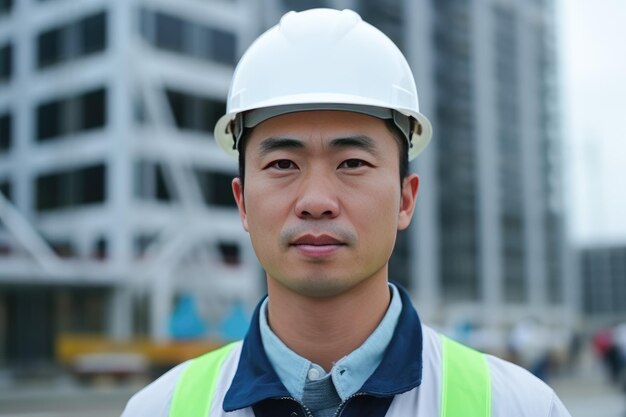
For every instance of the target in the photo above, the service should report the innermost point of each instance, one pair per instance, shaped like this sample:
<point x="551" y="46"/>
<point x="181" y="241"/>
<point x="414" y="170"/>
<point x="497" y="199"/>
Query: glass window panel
<point x="6" y="6"/>
<point x="6" y="62"/>
<point x="48" y="120"/>
<point x="6" y="189"/>
<point x="5" y="131"/>
<point x="48" y="189"/>
<point x="179" y="104"/>
<point x="49" y="48"/>
<point x="215" y="187"/>
<point x="93" y="33"/>
<point x="169" y="32"/>
<point x="224" y="45"/>
<point x="92" y="181"/>
<point x="93" y="106"/>
<point x="162" y="190"/>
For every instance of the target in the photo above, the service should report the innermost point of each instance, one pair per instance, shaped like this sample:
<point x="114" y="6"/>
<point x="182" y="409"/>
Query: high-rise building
<point x="490" y="235"/>
<point x="488" y="242"/>
<point x="107" y="156"/>
<point x="603" y="270"/>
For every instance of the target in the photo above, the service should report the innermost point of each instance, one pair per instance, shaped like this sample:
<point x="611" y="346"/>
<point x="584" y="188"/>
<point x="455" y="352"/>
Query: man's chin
<point x="321" y="287"/>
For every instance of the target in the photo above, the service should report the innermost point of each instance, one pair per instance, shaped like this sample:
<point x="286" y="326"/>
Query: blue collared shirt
<point x="349" y="373"/>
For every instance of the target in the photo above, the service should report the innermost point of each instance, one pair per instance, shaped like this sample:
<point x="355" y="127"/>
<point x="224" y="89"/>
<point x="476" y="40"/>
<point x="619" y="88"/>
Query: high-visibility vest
<point x="465" y="390"/>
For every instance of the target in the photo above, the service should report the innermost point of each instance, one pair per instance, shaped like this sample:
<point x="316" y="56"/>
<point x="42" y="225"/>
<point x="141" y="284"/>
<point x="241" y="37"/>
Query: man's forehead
<point x="327" y="124"/>
<point x="274" y="143"/>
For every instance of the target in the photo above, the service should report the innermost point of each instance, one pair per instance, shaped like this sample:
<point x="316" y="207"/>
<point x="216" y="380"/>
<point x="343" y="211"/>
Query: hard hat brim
<point x="224" y="135"/>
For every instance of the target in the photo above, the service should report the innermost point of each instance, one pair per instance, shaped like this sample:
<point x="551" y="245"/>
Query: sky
<point x="593" y="99"/>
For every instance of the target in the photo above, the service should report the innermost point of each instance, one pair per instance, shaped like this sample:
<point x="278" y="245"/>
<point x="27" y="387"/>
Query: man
<point x="323" y="115"/>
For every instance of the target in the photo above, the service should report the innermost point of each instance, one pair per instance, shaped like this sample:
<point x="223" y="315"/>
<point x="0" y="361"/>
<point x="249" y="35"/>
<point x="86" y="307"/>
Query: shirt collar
<point x="398" y="369"/>
<point x="349" y="373"/>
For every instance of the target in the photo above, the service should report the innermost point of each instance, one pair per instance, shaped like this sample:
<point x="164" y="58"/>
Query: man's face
<point x="322" y="202"/>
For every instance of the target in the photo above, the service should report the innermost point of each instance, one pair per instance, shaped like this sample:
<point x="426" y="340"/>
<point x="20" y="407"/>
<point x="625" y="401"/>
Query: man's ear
<point x="410" y="185"/>
<point x="239" y="199"/>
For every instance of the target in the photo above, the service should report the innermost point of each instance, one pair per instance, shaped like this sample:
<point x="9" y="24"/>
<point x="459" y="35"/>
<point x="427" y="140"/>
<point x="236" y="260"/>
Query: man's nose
<point x="317" y="199"/>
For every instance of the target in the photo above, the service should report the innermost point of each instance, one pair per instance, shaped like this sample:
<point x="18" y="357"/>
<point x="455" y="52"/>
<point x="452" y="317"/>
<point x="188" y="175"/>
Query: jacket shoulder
<point x="517" y="392"/>
<point x="154" y="400"/>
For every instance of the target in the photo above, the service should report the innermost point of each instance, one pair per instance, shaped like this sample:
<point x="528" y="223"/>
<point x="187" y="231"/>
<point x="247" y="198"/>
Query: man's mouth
<point x="319" y="240"/>
<point x="317" y="245"/>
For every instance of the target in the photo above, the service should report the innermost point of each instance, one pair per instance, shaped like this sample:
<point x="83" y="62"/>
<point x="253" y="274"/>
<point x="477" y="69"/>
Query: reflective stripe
<point x="466" y="383"/>
<point x="195" y="388"/>
<point x="465" y="391"/>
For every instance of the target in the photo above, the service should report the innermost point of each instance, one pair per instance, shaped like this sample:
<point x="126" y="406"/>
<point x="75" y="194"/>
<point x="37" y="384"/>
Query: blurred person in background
<point x="529" y="347"/>
<point x="619" y="342"/>
<point x="609" y="344"/>
<point x="323" y="115"/>
<point x="605" y="349"/>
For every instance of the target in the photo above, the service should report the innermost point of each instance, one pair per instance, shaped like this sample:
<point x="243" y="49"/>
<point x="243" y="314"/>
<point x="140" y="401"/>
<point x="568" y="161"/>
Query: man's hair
<point x="397" y="134"/>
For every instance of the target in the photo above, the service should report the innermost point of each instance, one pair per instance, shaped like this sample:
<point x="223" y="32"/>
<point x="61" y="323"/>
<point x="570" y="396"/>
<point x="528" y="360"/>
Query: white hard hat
<point x="323" y="59"/>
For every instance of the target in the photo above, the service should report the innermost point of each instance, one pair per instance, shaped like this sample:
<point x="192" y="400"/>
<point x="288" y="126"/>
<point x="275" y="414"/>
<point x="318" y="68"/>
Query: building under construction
<point x="116" y="209"/>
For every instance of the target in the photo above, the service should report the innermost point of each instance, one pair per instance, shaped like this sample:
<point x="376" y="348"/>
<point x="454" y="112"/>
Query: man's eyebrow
<point x="360" y="141"/>
<point x="276" y="143"/>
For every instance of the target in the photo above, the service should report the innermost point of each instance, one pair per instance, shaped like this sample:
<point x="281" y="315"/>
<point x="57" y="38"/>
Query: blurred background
<point x="121" y="250"/>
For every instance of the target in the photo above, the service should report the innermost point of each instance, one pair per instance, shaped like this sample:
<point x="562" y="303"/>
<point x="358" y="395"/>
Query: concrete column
<point x="121" y="27"/>
<point x="534" y="198"/>
<point x="424" y="230"/>
<point x="490" y="248"/>
<point x="23" y="108"/>
<point x="120" y="313"/>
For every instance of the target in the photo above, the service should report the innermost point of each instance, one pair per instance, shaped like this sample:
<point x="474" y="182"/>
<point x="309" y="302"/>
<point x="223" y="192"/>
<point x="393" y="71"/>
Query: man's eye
<point x="353" y="163"/>
<point x="282" y="164"/>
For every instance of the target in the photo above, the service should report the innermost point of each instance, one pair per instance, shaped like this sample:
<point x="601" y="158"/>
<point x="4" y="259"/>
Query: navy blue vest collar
<point x="400" y="370"/>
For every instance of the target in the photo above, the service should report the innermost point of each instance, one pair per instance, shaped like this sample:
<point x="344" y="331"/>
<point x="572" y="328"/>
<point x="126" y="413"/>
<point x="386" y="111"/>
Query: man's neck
<point x="324" y="330"/>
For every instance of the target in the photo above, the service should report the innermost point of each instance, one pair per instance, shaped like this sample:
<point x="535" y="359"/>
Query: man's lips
<point x="317" y="245"/>
<point x="319" y="240"/>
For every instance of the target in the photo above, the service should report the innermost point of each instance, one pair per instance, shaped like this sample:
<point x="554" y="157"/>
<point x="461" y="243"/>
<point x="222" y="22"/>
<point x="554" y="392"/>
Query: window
<point x="6" y="62"/>
<point x="6" y="6"/>
<point x="229" y="252"/>
<point x="100" y="248"/>
<point x="6" y="189"/>
<point x="142" y="242"/>
<point x="89" y="185"/>
<point x="299" y="5"/>
<point x="49" y="120"/>
<point x="73" y="114"/>
<point x="174" y="34"/>
<point x="170" y="32"/>
<point x="150" y="182"/>
<point x="223" y="46"/>
<point x="6" y="132"/>
<point x="71" y="188"/>
<point x="93" y="34"/>
<point x="64" y="248"/>
<point x="72" y="41"/>
<point x="93" y="106"/>
<point x="49" y="48"/>
<point x="192" y="112"/>
<point x="215" y="187"/>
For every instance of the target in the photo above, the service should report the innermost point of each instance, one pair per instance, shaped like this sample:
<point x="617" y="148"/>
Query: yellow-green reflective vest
<point x="465" y="391"/>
